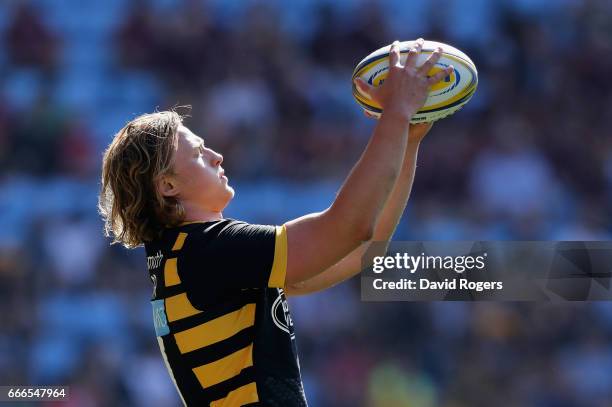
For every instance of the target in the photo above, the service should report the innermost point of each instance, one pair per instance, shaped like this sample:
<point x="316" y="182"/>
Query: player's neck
<point x="196" y="213"/>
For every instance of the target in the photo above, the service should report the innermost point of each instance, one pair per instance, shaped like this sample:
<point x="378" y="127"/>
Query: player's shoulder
<point x="171" y="237"/>
<point x="222" y="229"/>
<point x="206" y="227"/>
<point x="222" y="238"/>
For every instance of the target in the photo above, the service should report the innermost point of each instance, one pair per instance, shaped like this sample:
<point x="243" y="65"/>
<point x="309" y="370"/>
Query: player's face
<point x="198" y="173"/>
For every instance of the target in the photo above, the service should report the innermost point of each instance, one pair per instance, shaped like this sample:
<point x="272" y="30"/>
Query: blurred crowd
<point x="529" y="158"/>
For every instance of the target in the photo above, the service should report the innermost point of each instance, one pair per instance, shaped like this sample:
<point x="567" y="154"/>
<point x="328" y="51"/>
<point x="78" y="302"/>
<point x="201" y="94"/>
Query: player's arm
<point x="351" y="265"/>
<point x="317" y="241"/>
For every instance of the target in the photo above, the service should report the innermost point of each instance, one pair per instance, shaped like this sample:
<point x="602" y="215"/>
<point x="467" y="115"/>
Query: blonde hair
<point x="133" y="209"/>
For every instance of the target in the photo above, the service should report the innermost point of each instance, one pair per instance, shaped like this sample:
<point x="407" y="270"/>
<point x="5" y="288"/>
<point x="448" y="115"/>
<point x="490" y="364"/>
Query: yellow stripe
<point x="215" y="330"/>
<point x="466" y="92"/>
<point x="180" y="241"/>
<point x="179" y="307"/>
<point x="455" y="98"/>
<point x="279" y="266"/>
<point x="170" y="274"/>
<point x="224" y="368"/>
<point x="373" y="63"/>
<point x="242" y="395"/>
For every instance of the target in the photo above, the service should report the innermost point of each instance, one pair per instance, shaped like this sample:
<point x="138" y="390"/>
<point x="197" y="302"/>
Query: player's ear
<point x="167" y="186"/>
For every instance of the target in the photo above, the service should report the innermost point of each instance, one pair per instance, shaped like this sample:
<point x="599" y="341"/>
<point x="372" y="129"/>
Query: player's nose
<point x="216" y="158"/>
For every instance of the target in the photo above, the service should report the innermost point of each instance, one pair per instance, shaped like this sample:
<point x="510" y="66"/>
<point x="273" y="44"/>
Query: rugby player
<point x="220" y="314"/>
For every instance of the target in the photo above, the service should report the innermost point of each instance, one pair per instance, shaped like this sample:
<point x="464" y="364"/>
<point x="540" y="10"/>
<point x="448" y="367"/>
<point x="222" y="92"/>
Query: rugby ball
<point x="445" y="97"/>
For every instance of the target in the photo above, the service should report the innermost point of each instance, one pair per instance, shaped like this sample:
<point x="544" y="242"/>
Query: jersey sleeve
<point x="232" y="255"/>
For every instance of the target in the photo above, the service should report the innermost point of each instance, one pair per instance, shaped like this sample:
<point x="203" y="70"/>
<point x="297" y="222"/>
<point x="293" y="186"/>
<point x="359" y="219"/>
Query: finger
<point x="440" y="75"/>
<point x="394" y="54"/>
<point x="413" y="54"/>
<point x="363" y="87"/>
<point x="431" y="61"/>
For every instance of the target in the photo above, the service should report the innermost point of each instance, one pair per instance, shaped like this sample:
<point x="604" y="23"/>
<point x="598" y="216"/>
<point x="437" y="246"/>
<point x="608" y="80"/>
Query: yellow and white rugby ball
<point x="445" y="97"/>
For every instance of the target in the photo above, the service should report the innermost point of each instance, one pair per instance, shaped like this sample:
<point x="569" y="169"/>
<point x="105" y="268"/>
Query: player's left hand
<point x="418" y="131"/>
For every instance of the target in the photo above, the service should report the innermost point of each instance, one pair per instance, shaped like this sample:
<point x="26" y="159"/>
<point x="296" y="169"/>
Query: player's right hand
<point x="406" y="87"/>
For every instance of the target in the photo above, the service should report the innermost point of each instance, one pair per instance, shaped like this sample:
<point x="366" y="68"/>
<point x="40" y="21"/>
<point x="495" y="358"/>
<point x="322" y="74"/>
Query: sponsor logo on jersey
<point x="159" y="318"/>
<point x="154" y="262"/>
<point x="281" y="315"/>
<point x="154" y="281"/>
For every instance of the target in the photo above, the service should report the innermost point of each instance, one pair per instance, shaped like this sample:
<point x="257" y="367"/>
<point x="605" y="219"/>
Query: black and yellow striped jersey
<point x="221" y="318"/>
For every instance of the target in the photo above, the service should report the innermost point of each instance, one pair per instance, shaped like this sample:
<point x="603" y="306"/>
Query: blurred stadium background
<point x="529" y="158"/>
